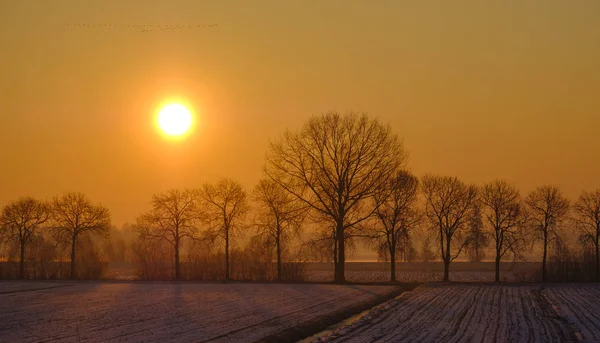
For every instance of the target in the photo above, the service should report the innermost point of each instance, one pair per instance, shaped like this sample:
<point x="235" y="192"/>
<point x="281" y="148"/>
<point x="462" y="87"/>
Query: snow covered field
<point x="159" y="312"/>
<point x="482" y="313"/>
<point x="195" y="312"/>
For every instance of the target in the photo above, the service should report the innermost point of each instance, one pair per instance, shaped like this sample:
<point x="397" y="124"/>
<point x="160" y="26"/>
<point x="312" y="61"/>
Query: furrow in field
<point x="579" y="304"/>
<point x="462" y="313"/>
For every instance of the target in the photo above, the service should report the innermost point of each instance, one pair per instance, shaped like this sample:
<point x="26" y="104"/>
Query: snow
<point x="580" y="306"/>
<point x="200" y="312"/>
<point x="482" y="313"/>
<point x="159" y="312"/>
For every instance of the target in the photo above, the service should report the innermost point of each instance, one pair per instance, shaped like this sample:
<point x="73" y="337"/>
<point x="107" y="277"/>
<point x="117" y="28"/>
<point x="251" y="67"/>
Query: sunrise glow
<point x="174" y="120"/>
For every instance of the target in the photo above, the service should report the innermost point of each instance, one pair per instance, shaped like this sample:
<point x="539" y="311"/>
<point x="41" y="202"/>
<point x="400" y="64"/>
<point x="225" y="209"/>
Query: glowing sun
<point x="174" y="120"/>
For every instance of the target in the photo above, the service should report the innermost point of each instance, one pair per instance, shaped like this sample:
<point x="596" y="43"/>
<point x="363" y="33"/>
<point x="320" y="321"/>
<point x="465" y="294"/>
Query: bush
<point x="45" y="261"/>
<point x="567" y="264"/>
<point x="153" y="259"/>
<point x="201" y="263"/>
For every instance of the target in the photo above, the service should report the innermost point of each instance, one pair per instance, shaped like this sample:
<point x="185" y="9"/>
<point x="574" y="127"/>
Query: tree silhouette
<point x="74" y="215"/>
<point x="335" y="164"/>
<point x="280" y="216"/>
<point x="476" y="237"/>
<point x="547" y="209"/>
<point x="175" y="215"/>
<point x="226" y="208"/>
<point x="503" y="213"/>
<point x="397" y="214"/>
<point x="587" y="221"/>
<point x="449" y="209"/>
<point x="21" y="221"/>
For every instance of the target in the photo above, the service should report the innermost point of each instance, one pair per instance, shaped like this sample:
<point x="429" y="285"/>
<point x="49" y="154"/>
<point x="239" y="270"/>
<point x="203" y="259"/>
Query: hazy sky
<point x="478" y="89"/>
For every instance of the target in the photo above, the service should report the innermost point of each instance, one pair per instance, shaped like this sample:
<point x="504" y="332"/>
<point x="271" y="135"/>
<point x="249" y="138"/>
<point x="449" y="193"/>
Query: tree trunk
<point x="22" y="261"/>
<point x="278" y="254"/>
<point x="393" y="266"/>
<point x="177" y="269"/>
<point x="544" y="259"/>
<point x="335" y="251"/>
<point x="447" y="261"/>
<point x="73" y="267"/>
<point x="339" y="276"/>
<point x="497" y="277"/>
<point x="446" y="270"/>
<point x="597" y="261"/>
<point x="476" y="247"/>
<point x="226" y="254"/>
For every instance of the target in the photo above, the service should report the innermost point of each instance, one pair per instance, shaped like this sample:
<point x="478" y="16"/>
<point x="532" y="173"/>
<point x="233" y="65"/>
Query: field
<point x="481" y="313"/>
<point x="250" y="312"/>
<point x="183" y="312"/>
<point x="424" y="271"/>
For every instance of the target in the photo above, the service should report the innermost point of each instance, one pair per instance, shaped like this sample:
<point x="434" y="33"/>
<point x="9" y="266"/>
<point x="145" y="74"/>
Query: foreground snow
<point x="134" y="312"/>
<point x="482" y="313"/>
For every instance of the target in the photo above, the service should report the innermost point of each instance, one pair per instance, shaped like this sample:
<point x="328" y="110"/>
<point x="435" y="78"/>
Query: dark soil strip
<point x="319" y="324"/>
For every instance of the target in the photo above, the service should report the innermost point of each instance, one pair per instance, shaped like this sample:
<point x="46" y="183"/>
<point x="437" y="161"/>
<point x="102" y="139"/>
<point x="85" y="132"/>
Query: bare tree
<point x="175" y="216"/>
<point x="503" y="213"/>
<point x="73" y="216"/>
<point x="280" y="216"/>
<point x="587" y="221"/>
<point x="476" y="237"/>
<point x="397" y="214"/>
<point x="21" y="220"/>
<point x="226" y="208"/>
<point x="426" y="243"/>
<point x="449" y="209"/>
<point x="335" y="164"/>
<point x="547" y="209"/>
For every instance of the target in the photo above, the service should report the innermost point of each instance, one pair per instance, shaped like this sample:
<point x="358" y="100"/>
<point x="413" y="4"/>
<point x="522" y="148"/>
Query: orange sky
<point x="477" y="89"/>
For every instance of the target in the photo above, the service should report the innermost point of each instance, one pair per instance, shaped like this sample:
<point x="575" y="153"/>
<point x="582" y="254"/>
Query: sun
<point x="174" y="120"/>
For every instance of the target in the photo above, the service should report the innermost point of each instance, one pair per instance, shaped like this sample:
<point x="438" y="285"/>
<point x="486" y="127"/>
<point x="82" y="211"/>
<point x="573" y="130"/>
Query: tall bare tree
<point x="547" y="209"/>
<point x="74" y="216"/>
<point x="226" y="207"/>
<point x="397" y="214"/>
<point x="587" y="221"/>
<point x="449" y="209"/>
<point x="503" y="214"/>
<point x="335" y="164"/>
<point x="21" y="220"/>
<point x="175" y="216"/>
<point x="280" y="216"/>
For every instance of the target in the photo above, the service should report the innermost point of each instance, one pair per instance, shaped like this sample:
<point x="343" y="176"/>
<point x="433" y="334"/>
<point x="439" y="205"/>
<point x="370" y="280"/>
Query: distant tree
<point x="115" y="248"/>
<point x="503" y="213"/>
<point x="426" y="244"/>
<point x="21" y="221"/>
<point x="280" y="216"/>
<point x="175" y="216"/>
<point x="587" y="221"/>
<point x="476" y="237"/>
<point x="449" y="209"/>
<point x="226" y="207"/>
<point x="336" y="164"/>
<point x="396" y="215"/>
<point x="547" y="209"/>
<point x="73" y="216"/>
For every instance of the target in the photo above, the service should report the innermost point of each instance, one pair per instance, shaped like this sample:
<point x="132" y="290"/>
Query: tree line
<point x="345" y="176"/>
